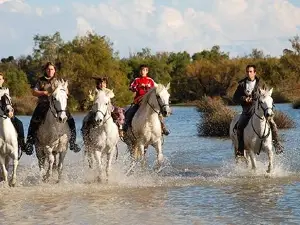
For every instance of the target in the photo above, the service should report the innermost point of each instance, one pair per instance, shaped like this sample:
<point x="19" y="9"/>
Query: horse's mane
<point x="156" y="89"/>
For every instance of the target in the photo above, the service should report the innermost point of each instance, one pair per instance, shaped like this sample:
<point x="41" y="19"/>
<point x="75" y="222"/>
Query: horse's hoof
<point x="12" y="183"/>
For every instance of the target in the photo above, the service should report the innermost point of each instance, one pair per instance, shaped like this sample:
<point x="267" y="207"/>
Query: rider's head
<point x="49" y="69"/>
<point x="251" y="71"/>
<point x="144" y="69"/>
<point x="101" y="82"/>
<point x="1" y="79"/>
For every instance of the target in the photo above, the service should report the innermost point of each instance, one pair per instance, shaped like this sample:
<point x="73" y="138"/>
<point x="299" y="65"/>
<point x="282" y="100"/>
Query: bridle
<point x="5" y="101"/>
<point x="56" y="110"/>
<point x="161" y="104"/>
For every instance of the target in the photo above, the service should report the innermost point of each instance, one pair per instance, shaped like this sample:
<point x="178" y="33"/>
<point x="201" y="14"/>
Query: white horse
<point x="54" y="133"/>
<point x="146" y="126"/>
<point x="103" y="137"/>
<point x="8" y="139"/>
<point x="257" y="133"/>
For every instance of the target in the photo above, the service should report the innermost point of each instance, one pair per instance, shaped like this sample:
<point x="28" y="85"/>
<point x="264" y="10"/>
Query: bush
<point x="215" y="117"/>
<point x="283" y="121"/>
<point x="296" y="104"/>
<point x="24" y="105"/>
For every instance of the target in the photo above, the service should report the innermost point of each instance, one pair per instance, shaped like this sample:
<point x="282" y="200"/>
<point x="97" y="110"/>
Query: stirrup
<point x="28" y="149"/>
<point x="75" y="148"/>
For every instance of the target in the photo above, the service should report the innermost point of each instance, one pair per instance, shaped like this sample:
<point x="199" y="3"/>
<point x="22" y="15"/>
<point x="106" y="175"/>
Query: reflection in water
<point x="200" y="185"/>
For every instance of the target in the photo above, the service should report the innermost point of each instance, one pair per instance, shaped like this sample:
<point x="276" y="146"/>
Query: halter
<point x="5" y="101"/>
<point x="104" y="114"/>
<point x="160" y="104"/>
<point x="262" y="137"/>
<point x="55" y="114"/>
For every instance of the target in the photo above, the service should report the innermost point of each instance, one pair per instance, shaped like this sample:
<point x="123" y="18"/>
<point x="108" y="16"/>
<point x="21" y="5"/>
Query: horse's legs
<point x="40" y="154"/>
<point x="50" y="167"/>
<point x="253" y="160"/>
<point x="141" y="151"/>
<point x="108" y="164"/>
<point x="98" y="159"/>
<point x="89" y="156"/>
<point x="14" y="174"/>
<point x="270" y="156"/>
<point x="3" y="167"/>
<point x="159" y="154"/>
<point x="60" y="163"/>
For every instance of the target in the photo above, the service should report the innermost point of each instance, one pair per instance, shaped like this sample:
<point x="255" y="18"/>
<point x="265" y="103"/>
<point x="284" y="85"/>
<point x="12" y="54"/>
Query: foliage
<point x="209" y="72"/>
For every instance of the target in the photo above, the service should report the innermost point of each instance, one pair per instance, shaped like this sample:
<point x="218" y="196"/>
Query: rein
<point x="160" y="104"/>
<point x="263" y="136"/>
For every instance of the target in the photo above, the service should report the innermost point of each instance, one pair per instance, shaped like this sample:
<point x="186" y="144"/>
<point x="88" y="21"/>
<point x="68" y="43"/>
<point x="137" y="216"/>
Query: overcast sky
<point x="237" y="26"/>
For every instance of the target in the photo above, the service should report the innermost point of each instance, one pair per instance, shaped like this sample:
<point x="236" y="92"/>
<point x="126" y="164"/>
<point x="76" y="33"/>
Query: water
<point x="200" y="185"/>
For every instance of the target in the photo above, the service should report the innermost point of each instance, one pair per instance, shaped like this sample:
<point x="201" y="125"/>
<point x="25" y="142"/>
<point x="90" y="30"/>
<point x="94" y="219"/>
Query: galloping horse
<point x="146" y="126"/>
<point x="103" y="137"/>
<point x="8" y="139"/>
<point x="257" y="134"/>
<point x="54" y="133"/>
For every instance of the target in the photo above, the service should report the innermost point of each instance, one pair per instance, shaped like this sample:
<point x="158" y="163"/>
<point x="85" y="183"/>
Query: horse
<point x="103" y="136"/>
<point x="257" y="133"/>
<point x="54" y="132"/>
<point x="8" y="139"/>
<point x="145" y="129"/>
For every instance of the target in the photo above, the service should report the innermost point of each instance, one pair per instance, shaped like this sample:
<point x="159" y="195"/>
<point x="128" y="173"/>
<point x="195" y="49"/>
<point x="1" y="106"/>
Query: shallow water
<point x="199" y="185"/>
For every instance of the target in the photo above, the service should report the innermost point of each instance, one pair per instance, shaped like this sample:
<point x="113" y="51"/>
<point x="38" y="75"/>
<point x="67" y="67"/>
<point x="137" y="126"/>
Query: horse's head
<point x="6" y="106"/>
<point x="163" y="96"/>
<point x="102" y="105"/>
<point x="58" y="101"/>
<point x="265" y="102"/>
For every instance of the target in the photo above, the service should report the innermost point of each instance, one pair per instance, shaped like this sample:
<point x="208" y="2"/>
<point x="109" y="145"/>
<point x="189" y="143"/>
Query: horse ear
<point x="168" y="86"/>
<point x="270" y="91"/>
<point x="110" y="94"/>
<point x="66" y="84"/>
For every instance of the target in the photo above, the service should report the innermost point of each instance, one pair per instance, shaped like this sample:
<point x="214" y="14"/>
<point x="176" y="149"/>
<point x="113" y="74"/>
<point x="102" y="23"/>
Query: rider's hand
<point x="248" y="99"/>
<point x="148" y="85"/>
<point x="142" y="85"/>
<point x="46" y="93"/>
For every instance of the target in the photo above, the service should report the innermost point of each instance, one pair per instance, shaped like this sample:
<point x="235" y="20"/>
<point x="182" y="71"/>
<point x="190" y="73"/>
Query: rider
<point x="245" y="95"/>
<point x="141" y="85"/>
<point x="15" y="121"/>
<point x="101" y="84"/>
<point x="43" y="88"/>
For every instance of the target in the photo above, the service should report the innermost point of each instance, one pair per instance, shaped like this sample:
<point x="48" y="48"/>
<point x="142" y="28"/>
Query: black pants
<point x="39" y="116"/>
<point x="20" y="131"/>
<point x="129" y="114"/>
<point x="242" y="123"/>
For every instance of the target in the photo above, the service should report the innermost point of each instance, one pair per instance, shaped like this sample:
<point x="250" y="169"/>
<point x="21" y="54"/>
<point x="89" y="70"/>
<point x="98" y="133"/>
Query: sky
<point x="237" y="26"/>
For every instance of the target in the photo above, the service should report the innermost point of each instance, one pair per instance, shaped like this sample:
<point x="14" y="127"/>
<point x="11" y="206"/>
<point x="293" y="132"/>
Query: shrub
<point x="24" y="105"/>
<point x="215" y="117"/>
<point x="283" y="121"/>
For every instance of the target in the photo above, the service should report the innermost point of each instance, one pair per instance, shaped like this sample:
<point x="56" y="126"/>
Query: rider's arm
<point x="133" y="86"/>
<point x="239" y="96"/>
<point x="36" y="91"/>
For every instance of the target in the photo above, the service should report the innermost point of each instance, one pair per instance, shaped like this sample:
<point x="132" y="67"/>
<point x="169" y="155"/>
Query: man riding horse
<point x="141" y="85"/>
<point x="245" y="95"/>
<point x="15" y="121"/>
<point x="43" y="88"/>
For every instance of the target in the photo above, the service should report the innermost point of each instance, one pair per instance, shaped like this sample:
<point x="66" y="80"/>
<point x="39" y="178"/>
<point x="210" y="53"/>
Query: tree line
<point x="207" y="73"/>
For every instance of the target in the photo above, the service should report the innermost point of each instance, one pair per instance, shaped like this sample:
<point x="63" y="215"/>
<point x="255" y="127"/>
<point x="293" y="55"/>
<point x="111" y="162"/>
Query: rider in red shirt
<point x="141" y="85"/>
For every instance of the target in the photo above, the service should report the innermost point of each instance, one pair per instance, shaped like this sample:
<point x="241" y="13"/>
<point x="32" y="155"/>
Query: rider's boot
<point x="31" y="136"/>
<point x="275" y="136"/>
<point x="72" y="141"/>
<point x="240" y="149"/>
